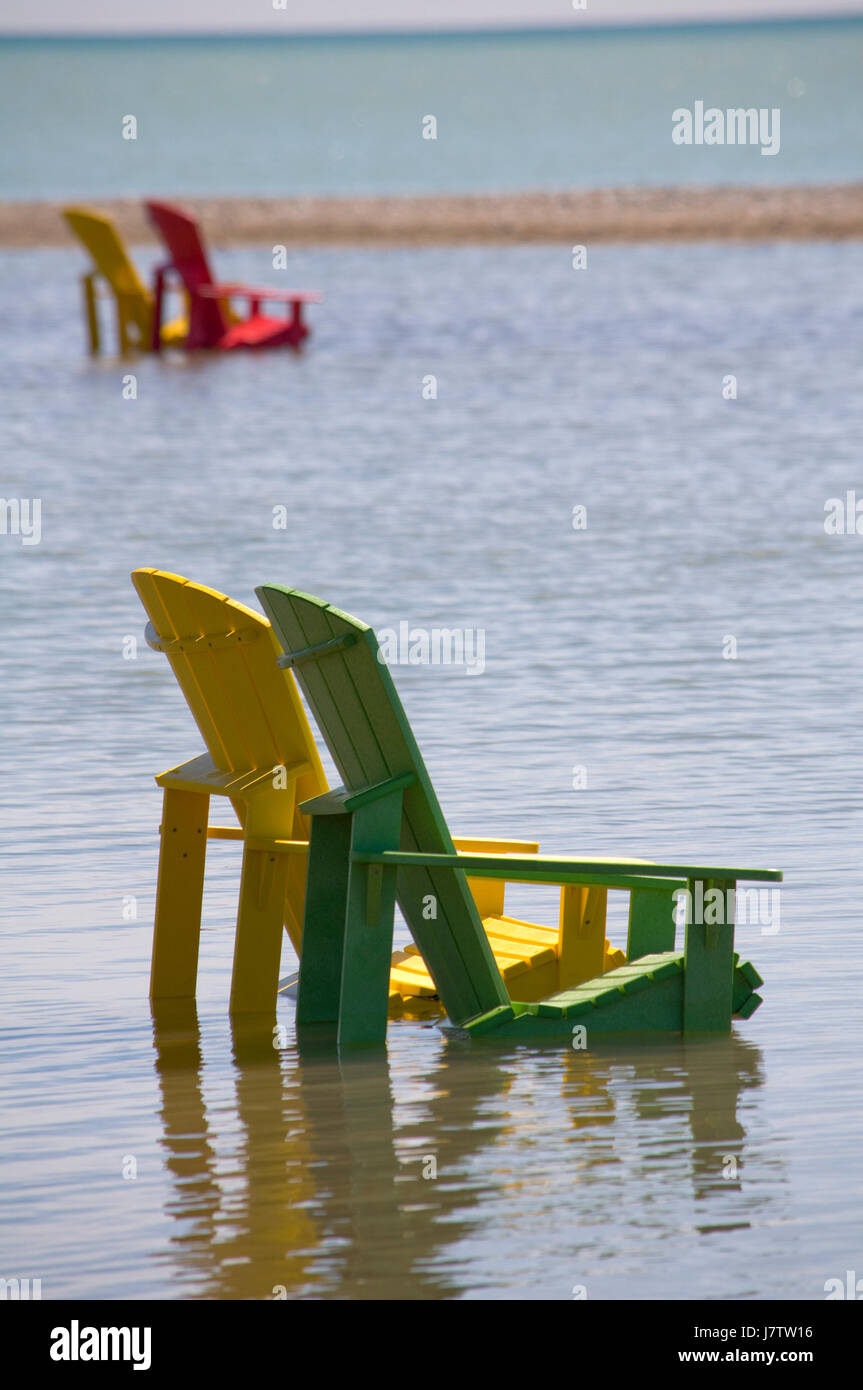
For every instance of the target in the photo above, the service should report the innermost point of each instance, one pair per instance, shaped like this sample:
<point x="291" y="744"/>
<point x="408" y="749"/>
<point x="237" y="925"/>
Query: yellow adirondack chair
<point x="134" y="302"/>
<point x="261" y="754"/>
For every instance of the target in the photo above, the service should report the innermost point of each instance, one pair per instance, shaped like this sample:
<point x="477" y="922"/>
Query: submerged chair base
<point x="642" y="996"/>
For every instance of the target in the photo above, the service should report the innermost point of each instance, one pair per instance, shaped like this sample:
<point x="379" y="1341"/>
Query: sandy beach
<point x="831" y="211"/>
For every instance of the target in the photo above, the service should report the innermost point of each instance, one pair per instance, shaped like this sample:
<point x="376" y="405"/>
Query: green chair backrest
<point x="352" y="696"/>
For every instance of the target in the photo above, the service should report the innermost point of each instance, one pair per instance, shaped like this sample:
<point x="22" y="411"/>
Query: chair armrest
<point x="477" y="844"/>
<point x="227" y="291"/>
<point x="624" y="873"/>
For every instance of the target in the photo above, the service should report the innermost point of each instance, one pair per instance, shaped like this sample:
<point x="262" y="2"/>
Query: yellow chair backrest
<point x="247" y="708"/>
<point x="112" y="262"/>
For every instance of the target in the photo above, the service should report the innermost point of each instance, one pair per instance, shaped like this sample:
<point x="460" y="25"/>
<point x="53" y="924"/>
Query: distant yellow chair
<point x="261" y="754"/>
<point x="112" y="266"/>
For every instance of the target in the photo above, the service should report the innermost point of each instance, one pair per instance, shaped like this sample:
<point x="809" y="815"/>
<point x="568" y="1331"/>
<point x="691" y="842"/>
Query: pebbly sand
<point x="803" y="212"/>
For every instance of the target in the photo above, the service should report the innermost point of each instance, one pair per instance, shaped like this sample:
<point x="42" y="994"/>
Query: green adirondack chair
<point x="382" y="837"/>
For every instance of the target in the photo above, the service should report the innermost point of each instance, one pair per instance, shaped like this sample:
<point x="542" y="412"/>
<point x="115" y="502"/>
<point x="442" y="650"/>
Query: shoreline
<point x="724" y="213"/>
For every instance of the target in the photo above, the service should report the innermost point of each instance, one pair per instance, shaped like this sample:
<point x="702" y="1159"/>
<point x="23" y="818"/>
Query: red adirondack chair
<point x="211" y="325"/>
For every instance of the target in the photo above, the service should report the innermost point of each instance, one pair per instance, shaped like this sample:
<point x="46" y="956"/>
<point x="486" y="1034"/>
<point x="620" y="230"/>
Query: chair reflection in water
<point x="323" y="1188"/>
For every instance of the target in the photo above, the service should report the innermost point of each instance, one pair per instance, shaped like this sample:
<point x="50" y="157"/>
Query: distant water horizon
<point x="278" y="115"/>
<point x="419" y="33"/>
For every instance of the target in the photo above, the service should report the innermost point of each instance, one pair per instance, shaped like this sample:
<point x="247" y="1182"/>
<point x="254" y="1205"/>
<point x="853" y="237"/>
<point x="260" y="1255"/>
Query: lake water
<point x="724" y="1169"/>
<point x="264" y="116"/>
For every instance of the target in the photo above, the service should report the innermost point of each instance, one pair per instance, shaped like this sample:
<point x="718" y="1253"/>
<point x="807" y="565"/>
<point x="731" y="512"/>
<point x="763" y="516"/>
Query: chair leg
<point x="708" y="978"/>
<point x="92" y="313"/>
<point x="581" y="934"/>
<point x="366" y="962"/>
<point x="158" y="305"/>
<point x="261" y="911"/>
<point x="258" y="943"/>
<point x="179" y="894"/>
<point x="122" y="327"/>
<point x="299" y="331"/>
<point x="323" y="945"/>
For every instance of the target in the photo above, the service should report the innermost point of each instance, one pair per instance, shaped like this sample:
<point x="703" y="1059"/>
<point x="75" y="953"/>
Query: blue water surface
<point x="695" y="650"/>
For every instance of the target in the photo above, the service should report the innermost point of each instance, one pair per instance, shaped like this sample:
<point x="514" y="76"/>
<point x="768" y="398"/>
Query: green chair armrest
<point x="547" y="869"/>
